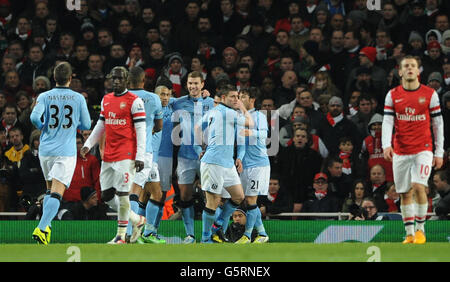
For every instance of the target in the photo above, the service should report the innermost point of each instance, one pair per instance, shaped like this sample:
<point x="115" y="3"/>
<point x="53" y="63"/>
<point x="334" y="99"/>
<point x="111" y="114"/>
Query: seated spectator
<point x="357" y="194"/>
<point x="347" y="156"/>
<point x="87" y="173"/>
<point x="287" y="131"/>
<point x="31" y="179"/>
<point x="365" y="112"/>
<point x="378" y="187"/>
<point x="372" y="210"/>
<point x="89" y="207"/>
<point x="40" y="84"/>
<point x="324" y="85"/>
<point x="237" y="228"/>
<point x="371" y="151"/>
<point x="320" y="200"/>
<point x="13" y="85"/>
<point x="277" y="200"/>
<point x="23" y="102"/>
<point x="436" y="82"/>
<point x="339" y="184"/>
<point x="440" y="180"/>
<point x="392" y="198"/>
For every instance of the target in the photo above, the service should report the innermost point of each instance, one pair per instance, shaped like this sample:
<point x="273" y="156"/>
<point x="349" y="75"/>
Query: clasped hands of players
<point x="139" y="165"/>
<point x="389" y="152"/>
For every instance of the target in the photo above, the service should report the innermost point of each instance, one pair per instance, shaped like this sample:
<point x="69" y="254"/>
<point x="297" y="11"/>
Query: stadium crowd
<point x="322" y="69"/>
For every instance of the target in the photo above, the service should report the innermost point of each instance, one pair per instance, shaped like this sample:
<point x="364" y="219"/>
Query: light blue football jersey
<point x="189" y="111"/>
<point x="153" y="111"/>
<point x="63" y="111"/>
<point x="255" y="145"/>
<point x="166" y="147"/>
<point x="222" y="126"/>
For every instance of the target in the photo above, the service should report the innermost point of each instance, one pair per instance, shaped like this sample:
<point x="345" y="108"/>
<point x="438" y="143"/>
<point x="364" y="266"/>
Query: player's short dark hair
<point x="196" y="74"/>
<point x="225" y="90"/>
<point x="62" y="73"/>
<point x="136" y="75"/>
<point x="251" y="92"/>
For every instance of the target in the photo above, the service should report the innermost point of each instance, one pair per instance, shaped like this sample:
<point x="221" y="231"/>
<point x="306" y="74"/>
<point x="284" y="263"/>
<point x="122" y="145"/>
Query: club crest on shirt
<point x="422" y="100"/>
<point x="123" y="105"/>
<point x="205" y="108"/>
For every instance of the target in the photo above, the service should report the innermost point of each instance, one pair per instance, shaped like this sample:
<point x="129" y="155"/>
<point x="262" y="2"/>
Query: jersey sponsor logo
<point x="115" y="121"/>
<point x="407" y="117"/>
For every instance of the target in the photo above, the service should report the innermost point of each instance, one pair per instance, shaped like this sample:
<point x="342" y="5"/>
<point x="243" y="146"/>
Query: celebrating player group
<point x="224" y="146"/>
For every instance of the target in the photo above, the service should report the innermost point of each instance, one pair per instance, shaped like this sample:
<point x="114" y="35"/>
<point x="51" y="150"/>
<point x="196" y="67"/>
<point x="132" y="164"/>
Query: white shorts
<point x="118" y="175"/>
<point x="255" y="180"/>
<point x="187" y="170"/>
<point x="215" y="178"/>
<point x="142" y="176"/>
<point x="59" y="168"/>
<point x="411" y="169"/>
<point x="165" y="172"/>
<point x="154" y="173"/>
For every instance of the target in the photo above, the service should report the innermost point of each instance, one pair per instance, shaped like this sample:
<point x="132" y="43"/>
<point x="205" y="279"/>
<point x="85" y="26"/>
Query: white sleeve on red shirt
<point x="388" y="122"/>
<point x="138" y="113"/>
<point x="97" y="132"/>
<point x="438" y="125"/>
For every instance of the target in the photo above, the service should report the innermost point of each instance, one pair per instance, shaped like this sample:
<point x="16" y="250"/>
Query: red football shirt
<point x="119" y="114"/>
<point x="412" y="111"/>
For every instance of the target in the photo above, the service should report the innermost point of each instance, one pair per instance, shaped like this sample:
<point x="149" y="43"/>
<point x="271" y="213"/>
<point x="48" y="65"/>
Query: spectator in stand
<point x="339" y="184"/>
<point x="35" y="65"/>
<point x="116" y="57"/>
<point x="348" y="157"/>
<point x="392" y="198"/>
<point x="320" y="200"/>
<point x="105" y="40"/>
<point x="308" y="61"/>
<point x="369" y="205"/>
<point x="79" y="61"/>
<point x="299" y="33"/>
<point x="88" y="208"/>
<point x="285" y="93"/>
<point x="30" y="177"/>
<point x="13" y="84"/>
<point x="87" y="172"/>
<point x="9" y="120"/>
<point x="40" y="84"/>
<point x="24" y="102"/>
<point x="357" y="194"/>
<point x="298" y="166"/>
<point x="378" y="187"/>
<point x="432" y="62"/>
<point x="372" y="152"/>
<point x="324" y="85"/>
<point x="365" y="113"/>
<point x="440" y="180"/>
<point x="277" y="200"/>
<point x="94" y="77"/>
<point x="335" y="126"/>
<point x="435" y="81"/>
<point x="176" y="73"/>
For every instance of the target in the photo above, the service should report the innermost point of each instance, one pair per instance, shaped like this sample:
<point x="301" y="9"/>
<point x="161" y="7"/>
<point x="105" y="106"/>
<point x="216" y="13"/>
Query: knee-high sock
<point x="208" y="217"/>
<point x="227" y="211"/>
<point x="252" y="214"/>
<point x="259" y="224"/>
<point x="123" y="215"/>
<point x="421" y="216"/>
<point x="141" y="210"/>
<point x="114" y="203"/>
<point x="151" y="213"/>
<point x="408" y="216"/>
<point x="158" y="218"/>
<point x="188" y="213"/>
<point x="134" y="207"/>
<point x="50" y="210"/>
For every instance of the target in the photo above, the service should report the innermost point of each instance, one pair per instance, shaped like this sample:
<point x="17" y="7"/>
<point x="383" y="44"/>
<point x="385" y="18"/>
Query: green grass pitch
<point x="271" y="252"/>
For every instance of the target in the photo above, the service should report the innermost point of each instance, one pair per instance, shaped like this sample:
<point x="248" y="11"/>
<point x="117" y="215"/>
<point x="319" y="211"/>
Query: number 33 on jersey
<point x="58" y="114"/>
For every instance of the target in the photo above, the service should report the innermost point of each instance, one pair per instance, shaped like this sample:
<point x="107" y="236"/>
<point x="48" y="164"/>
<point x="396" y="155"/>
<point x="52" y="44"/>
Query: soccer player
<point x="122" y="119"/>
<point x="154" y="123"/>
<point x="58" y="114"/>
<point x="188" y="110"/>
<point x="411" y="107"/>
<point x="256" y="175"/>
<point x="218" y="168"/>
